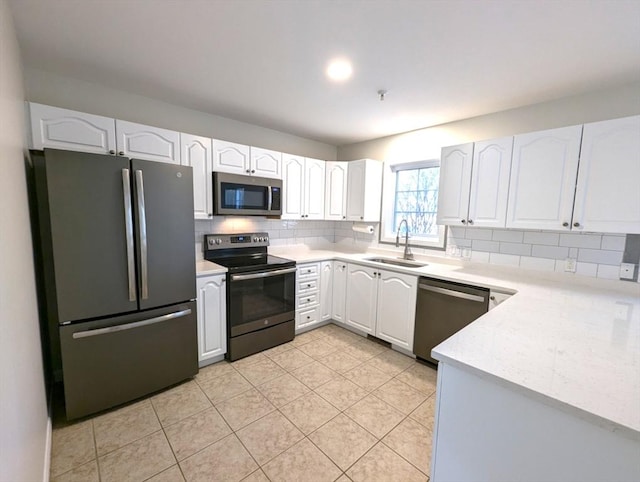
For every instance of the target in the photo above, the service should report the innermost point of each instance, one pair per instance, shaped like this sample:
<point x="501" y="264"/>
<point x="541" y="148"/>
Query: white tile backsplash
<point x="581" y="240"/>
<point x="600" y="256"/>
<point x="504" y="259"/>
<point x="482" y="245"/>
<point x="613" y="242"/>
<point x="515" y="248"/>
<point x="540" y="264"/>
<point x="509" y="236"/>
<point x="608" y="272"/>
<point x="551" y="252"/>
<point x="534" y="237"/>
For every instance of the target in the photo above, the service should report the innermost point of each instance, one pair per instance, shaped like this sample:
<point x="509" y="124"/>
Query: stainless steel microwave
<point x="246" y="195"/>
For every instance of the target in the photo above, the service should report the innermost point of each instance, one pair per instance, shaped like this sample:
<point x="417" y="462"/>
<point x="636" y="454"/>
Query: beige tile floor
<point x="330" y="405"/>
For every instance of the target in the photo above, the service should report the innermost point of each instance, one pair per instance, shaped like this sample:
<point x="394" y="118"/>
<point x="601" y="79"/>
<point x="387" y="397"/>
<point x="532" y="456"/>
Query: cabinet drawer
<point x="308" y="270"/>
<point x="307" y="317"/>
<point x="307" y="285"/>
<point x="307" y="300"/>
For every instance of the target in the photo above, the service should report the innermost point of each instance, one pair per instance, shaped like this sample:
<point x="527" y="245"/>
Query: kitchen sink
<point x="397" y="262"/>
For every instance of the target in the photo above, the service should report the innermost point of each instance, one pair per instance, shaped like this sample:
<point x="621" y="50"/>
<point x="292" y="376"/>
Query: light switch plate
<point x="570" y="265"/>
<point x="627" y="270"/>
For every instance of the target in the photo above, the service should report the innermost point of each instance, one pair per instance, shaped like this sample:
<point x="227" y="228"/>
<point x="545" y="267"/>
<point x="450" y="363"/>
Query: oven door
<point x="260" y="300"/>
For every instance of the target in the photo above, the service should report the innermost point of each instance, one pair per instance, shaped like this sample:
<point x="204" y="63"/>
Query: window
<point x="411" y="193"/>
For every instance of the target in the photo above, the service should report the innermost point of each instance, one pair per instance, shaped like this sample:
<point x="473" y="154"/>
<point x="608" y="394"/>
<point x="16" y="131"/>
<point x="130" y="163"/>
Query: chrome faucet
<point x="407" y="250"/>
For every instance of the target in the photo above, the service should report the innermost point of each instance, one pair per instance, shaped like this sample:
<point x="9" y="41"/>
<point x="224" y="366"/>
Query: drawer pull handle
<point x="130" y="326"/>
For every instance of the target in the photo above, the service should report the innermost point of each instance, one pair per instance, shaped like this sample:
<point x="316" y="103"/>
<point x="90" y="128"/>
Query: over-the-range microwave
<point x="246" y="195"/>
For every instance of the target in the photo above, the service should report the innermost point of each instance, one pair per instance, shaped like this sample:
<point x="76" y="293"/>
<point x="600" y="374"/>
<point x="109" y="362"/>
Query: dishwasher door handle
<point x="455" y="294"/>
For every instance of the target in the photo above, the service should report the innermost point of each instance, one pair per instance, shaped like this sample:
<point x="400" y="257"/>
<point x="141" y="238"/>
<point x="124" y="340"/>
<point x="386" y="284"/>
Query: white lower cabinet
<point x="212" y="318"/>
<point x="339" y="291"/>
<point x="326" y="290"/>
<point x="307" y="295"/>
<point x="382" y="303"/>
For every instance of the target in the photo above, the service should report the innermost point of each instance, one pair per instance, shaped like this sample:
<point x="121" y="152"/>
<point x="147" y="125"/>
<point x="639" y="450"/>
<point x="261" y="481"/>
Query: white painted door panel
<point x="67" y="129"/>
<point x="362" y="292"/>
<point x="266" y="163"/>
<point x="139" y="141"/>
<point x="326" y="294"/>
<point x="608" y="193"/>
<point x="212" y="317"/>
<point x="543" y="176"/>
<point x="336" y="191"/>
<point x="339" y="300"/>
<point x="396" y="308"/>
<point x="231" y="157"/>
<point x="490" y="183"/>
<point x="314" y="189"/>
<point x="293" y="187"/>
<point x="196" y="153"/>
<point x="455" y="180"/>
<point x="355" y="191"/>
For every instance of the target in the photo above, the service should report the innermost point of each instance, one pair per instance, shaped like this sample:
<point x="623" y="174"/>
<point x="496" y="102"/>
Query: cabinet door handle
<point x="576" y="225"/>
<point x="253" y="171"/>
<point x="112" y="152"/>
<point x="344" y="217"/>
<point x="248" y="171"/>
<point x="308" y="299"/>
<point x="470" y="221"/>
<point x="121" y="153"/>
<point x="463" y="221"/>
<point x="565" y="224"/>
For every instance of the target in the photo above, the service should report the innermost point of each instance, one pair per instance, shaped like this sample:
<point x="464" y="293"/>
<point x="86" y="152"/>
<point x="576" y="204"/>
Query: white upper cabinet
<point x="364" y="190"/>
<point x="314" y="188"/>
<point x="266" y="163"/>
<point x="335" y="205"/>
<point x="543" y="177"/>
<point x="196" y="153"/>
<point x="455" y="181"/>
<point x="303" y="187"/>
<point x="139" y="141"/>
<point x="67" y="129"/>
<point x="608" y="188"/>
<point x="490" y="183"/>
<point x="230" y="157"/>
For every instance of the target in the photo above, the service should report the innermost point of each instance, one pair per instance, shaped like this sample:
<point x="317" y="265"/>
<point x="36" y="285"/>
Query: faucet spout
<point x="407" y="250"/>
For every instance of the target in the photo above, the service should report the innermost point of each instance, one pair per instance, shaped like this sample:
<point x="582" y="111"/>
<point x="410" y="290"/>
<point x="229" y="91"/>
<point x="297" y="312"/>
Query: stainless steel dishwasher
<point x="442" y="309"/>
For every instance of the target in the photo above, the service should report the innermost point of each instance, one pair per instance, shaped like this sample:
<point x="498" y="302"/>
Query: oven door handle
<point x="266" y="274"/>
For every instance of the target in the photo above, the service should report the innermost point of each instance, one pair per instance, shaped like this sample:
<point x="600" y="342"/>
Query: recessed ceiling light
<point x="339" y="70"/>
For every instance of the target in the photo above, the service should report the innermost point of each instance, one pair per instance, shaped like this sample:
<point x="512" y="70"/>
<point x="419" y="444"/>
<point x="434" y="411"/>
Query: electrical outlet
<point x="626" y="270"/>
<point x="570" y="265"/>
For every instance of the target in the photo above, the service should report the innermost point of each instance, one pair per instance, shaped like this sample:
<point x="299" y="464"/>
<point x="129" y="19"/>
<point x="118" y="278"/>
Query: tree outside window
<point x="416" y="200"/>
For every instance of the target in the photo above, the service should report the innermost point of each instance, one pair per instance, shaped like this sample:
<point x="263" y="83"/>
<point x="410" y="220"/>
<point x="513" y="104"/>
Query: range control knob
<point x="266" y="238"/>
<point x="255" y="239"/>
<point x="218" y="241"/>
<point x="261" y="239"/>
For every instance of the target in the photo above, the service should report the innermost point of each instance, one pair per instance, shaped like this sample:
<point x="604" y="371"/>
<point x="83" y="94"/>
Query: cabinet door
<point x="70" y="130"/>
<point x="230" y="157"/>
<point x="362" y="292"/>
<point x="455" y="182"/>
<point x="265" y="163"/>
<point x="490" y="183"/>
<point x="196" y="153"/>
<point x="293" y="187"/>
<point x="396" y="308"/>
<point x="149" y="143"/>
<point x="314" y="189"/>
<point x="212" y="317"/>
<point x="335" y="196"/>
<point x="543" y="177"/>
<point x="355" y="191"/>
<point x="608" y="189"/>
<point x="326" y="294"/>
<point x="339" y="288"/>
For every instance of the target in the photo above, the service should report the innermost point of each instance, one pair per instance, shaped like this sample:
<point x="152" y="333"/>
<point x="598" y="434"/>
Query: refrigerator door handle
<point x="128" y="226"/>
<point x="130" y="326"/>
<point x="142" y="227"/>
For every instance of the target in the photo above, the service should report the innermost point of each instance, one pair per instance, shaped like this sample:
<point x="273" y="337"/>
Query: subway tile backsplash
<point x="595" y="254"/>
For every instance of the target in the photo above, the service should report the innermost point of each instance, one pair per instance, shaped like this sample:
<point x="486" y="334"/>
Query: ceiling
<point x="263" y="61"/>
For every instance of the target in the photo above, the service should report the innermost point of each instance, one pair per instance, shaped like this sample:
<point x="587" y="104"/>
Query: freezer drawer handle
<point x="128" y="224"/>
<point x="130" y="326"/>
<point x="143" y="235"/>
<point x="266" y="274"/>
<point x="457" y="294"/>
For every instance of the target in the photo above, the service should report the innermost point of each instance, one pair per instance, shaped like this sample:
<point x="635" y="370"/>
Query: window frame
<point x="386" y="235"/>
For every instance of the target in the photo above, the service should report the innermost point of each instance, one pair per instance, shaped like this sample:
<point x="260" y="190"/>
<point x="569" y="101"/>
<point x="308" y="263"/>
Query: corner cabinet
<point x="70" y="130"/>
<point x="303" y="187"/>
<point x="212" y="318"/>
<point x="196" y="153"/>
<point x="474" y="184"/>
<point x="335" y="195"/>
<point x="364" y="190"/>
<point x="608" y="188"/>
<point x="544" y="169"/>
<point x="382" y="303"/>
<point x="140" y="141"/>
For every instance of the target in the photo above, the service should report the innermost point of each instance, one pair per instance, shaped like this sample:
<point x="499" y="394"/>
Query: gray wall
<point x="23" y="404"/>
<point x="69" y="93"/>
<point x="426" y="143"/>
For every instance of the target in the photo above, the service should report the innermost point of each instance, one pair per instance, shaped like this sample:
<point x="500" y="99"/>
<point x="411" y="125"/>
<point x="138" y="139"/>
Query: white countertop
<point x="570" y="341"/>
<point x="206" y="268"/>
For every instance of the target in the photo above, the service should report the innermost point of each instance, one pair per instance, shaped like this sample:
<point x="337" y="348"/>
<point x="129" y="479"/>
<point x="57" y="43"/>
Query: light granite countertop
<point x="207" y="268"/>
<point x="572" y="342"/>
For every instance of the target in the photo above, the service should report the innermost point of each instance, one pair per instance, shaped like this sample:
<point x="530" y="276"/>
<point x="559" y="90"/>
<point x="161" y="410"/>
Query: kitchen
<point x="45" y="82"/>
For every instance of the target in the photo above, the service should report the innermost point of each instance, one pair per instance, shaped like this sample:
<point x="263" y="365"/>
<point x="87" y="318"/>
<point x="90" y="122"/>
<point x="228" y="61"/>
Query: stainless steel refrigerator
<point x="118" y="275"/>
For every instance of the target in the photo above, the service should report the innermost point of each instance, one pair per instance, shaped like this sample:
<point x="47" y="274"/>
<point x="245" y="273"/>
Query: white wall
<point x="69" y="93"/>
<point x="426" y="143"/>
<point x="23" y="407"/>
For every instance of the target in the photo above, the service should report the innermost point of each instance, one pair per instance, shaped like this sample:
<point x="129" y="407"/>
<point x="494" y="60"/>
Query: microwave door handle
<point x="270" y="200"/>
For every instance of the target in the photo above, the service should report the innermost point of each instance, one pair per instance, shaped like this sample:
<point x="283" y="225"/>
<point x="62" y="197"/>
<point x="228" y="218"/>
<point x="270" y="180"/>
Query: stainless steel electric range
<point x="260" y="292"/>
